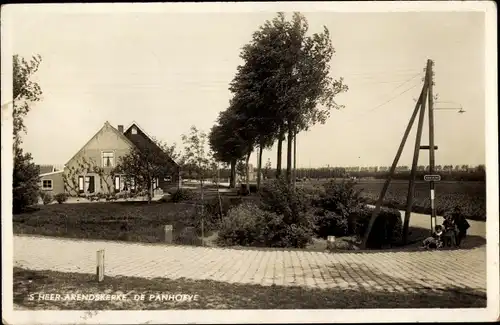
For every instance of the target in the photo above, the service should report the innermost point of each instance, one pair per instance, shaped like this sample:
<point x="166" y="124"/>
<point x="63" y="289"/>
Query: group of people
<point x="451" y="233"/>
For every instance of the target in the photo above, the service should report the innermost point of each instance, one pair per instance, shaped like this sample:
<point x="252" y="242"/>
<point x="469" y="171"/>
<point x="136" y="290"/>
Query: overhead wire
<point x="390" y="99"/>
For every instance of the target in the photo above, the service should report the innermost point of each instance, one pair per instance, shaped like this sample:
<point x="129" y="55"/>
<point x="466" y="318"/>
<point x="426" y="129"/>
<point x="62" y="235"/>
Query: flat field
<point x="470" y="197"/>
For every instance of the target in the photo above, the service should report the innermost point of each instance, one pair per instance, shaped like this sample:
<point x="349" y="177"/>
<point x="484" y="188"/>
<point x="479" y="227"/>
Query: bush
<point x="47" y="198"/>
<point x="281" y="218"/>
<point x="61" y="197"/>
<point x="334" y="205"/>
<point x="387" y="230"/>
<point x="25" y="187"/>
<point x="182" y="195"/>
<point x="341" y="198"/>
<point x="288" y="221"/>
<point x="240" y="226"/>
<point x="277" y="233"/>
<point x="248" y="225"/>
<point x="329" y="223"/>
<point x="280" y="198"/>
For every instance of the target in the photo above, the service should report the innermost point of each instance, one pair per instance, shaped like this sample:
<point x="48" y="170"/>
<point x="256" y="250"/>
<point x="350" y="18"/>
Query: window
<point x="80" y="184"/>
<point x="108" y="159"/>
<point x="132" y="184"/>
<point x="134" y="130"/>
<point x="117" y="183"/>
<point x="47" y="184"/>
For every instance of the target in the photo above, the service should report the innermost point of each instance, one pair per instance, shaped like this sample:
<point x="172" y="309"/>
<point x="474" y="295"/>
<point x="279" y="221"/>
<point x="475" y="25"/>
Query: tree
<point x="267" y="169"/>
<point x="198" y="160"/>
<point x="24" y="90"/>
<point x="226" y="143"/>
<point x="25" y="188"/>
<point x="285" y="82"/>
<point x="145" y="162"/>
<point x="241" y="169"/>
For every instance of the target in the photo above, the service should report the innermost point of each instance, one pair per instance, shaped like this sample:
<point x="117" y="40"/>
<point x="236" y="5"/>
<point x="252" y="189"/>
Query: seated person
<point x="434" y="241"/>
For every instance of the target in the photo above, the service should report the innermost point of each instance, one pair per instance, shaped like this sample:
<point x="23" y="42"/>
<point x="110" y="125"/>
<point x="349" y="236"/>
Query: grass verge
<point x="217" y="295"/>
<point x="123" y="221"/>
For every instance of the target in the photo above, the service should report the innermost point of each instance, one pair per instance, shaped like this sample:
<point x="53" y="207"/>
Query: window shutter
<point x="91" y="184"/>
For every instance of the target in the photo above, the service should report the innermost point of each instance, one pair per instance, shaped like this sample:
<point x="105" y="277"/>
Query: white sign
<point x="432" y="178"/>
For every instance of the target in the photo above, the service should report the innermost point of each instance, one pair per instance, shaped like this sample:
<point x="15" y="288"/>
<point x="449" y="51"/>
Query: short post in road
<point x="168" y="229"/>
<point x="100" y="265"/>
<point x="330" y="242"/>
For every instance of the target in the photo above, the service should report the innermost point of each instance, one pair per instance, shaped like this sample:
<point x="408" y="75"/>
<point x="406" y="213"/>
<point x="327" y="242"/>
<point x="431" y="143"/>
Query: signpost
<point x="432" y="179"/>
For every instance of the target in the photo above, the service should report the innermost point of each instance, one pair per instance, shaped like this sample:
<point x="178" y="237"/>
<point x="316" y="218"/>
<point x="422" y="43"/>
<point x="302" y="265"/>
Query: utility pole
<point x="416" y="152"/>
<point x="419" y="107"/>
<point x="380" y="200"/>
<point x="432" y="162"/>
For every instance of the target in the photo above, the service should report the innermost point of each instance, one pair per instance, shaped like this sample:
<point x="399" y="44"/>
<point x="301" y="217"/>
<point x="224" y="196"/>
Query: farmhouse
<point x="91" y="169"/>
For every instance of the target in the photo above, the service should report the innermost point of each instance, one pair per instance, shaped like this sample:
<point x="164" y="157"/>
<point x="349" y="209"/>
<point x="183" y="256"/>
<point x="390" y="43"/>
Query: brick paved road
<point x="391" y="271"/>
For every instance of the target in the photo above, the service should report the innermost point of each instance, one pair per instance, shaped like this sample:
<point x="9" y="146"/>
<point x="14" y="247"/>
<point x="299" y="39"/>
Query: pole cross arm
<point x="428" y="147"/>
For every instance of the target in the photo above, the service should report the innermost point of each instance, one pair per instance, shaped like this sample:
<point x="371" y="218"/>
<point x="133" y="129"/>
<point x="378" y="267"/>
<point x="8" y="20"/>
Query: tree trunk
<point x="289" y="153"/>
<point x="202" y="198"/>
<point x="259" y="166"/>
<point x="150" y="186"/>
<point x="218" y="192"/>
<point x="280" y="151"/>
<point x="232" y="177"/>
<point x="247" y="172"/>
<point x="294" y="157"/>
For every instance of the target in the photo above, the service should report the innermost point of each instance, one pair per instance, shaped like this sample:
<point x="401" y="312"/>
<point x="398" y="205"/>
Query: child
<point x="434" y="241"/>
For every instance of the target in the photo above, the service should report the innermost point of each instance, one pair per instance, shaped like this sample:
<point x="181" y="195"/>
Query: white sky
<point x="170" y="71"/>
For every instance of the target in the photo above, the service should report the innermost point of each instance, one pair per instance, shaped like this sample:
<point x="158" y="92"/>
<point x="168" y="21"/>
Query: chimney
<point x="120" y="128"/>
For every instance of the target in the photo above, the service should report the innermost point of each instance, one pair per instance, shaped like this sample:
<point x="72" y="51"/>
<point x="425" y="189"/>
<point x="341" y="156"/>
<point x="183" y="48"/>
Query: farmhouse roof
<point x="150" y="139"/>
<point x="45" y="169"/>
<point x="106" y="125"/>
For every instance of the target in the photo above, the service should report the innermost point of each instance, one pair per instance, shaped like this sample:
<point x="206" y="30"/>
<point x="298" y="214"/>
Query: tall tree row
<point x="283" y="88"/>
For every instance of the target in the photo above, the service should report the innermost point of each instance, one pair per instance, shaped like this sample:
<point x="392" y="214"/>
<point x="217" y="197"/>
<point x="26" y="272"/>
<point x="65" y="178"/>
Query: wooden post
<point x="168" y="229"/>
<point x="376" y="211"/>
<point x="100" y="265"/>
<point x="416" y="151"/>
<point x="430" y="63"/>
